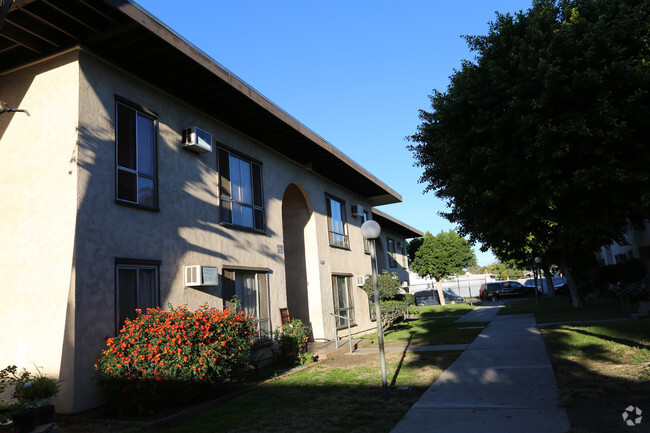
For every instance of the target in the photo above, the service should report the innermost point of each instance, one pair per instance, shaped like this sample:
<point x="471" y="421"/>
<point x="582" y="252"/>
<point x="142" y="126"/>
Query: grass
<point x="341" y="394"/>
<point x="559" y="309"/>
<point x="600" y="370"/>
<point x="433" y="326"/>
<point x="446" y="310"/>
<point x="335" y="396"/>
<point x="429" y="330"/>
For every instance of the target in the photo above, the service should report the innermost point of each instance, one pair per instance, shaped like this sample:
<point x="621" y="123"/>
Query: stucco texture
<point x="57" y="179"/>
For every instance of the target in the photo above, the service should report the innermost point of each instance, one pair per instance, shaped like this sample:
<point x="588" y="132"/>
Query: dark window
<point x="366" y="242"/>
<point x="240" y="191"/>
<point x="336" y="223"/>
<point x="343" y="300"/>
<point x="391" y="253"/>
<point x="137" y="288"/>
<point x="135" y="143"/>
<point x="251" y="290"/>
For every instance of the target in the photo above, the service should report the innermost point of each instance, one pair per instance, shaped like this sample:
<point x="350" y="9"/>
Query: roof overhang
<point x="389" y="223"/>
<point x="127" y="36"/>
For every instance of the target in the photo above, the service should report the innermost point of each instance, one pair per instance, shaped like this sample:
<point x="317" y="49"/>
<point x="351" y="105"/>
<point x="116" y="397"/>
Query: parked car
<point x="560" y="285"/>
<point x="502" y="289"/>
<point x="431" y="297"/>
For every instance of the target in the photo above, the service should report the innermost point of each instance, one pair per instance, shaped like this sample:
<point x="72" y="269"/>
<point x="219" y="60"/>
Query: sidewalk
<point x="503" y="382"/>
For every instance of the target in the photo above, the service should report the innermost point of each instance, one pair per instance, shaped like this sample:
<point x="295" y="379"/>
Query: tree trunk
<point x="573" y="289"/>
<point x="440" y="294"/>
<point x="549" y="282"/>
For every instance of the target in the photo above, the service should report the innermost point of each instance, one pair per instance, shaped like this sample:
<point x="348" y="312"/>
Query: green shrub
<point x="391" y="312"/>
<point x="164" y="358"/>
<point x="292" y="343"/>
<point x="387" y="284"/>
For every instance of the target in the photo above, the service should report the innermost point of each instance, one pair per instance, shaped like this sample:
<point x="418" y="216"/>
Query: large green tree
<point x="540" y="144"/>
<point x="442" y="255"/>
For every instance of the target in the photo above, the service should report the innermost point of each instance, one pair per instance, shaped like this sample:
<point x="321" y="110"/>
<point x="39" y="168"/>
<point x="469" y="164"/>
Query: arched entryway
<point x="300" y="257"/>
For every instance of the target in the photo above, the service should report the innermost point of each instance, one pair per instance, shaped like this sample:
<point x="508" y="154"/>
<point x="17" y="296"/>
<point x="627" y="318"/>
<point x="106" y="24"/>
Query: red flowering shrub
<point x="165" y="357"/>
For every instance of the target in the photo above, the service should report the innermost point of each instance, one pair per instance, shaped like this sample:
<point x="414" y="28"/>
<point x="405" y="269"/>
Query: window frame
<point x="229" y="289"/>
<point x="138" y="111"/>
<point x="138" y="265"/>
<point x="331" y="234"/>
<point x="226" y="200"/>
<point x="366" y="242"/>
<point x="390" y="242"/>
<point x="340" y="323"/>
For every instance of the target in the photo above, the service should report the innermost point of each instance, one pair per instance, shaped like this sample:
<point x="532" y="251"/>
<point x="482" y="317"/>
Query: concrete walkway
<point x="485" y="312"/>
<point x="503" y="382"/>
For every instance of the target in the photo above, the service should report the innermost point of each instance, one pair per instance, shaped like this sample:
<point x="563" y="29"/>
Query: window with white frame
<point x="136" y="288"/>
<point x="391" y="252"/>
<point x="240" y="191"/>
<point x="343" y="300"/>
<point x="251" y="289"/>
<point x="366" y="242"/>
<point x="135" y="147"/>
<point x="336" y="223"/>
<point x="401" y="249"/>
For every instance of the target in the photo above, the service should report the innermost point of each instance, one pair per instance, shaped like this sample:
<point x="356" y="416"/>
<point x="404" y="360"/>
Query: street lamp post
<point x="371" y="230"/>
<point x="536" y="271"/>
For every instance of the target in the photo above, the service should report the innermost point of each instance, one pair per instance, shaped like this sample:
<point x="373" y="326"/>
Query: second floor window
<point x="391" y="253"/>
<point x="366" y="242"/>
<point x="338" y="235"/>
<point x="135" y="144"/>
<point x="240" y="191"/>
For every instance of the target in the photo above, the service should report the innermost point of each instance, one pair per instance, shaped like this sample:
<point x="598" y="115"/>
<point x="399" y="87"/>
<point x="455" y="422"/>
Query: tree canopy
<point x="539" y="145"/>
<point x="442" y="255"/>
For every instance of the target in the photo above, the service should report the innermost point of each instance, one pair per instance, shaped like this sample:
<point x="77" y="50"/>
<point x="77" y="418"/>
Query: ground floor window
<point x="343" y="304"/>
<point x="251" y="290"/>
<point x="137" y="288"/>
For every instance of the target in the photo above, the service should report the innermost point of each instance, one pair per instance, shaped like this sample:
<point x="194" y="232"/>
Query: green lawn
<point x="444" y="310"/>
<point x="430" y="330"/>
<point x="600" y="369"/>
<point x="559" y="309"/>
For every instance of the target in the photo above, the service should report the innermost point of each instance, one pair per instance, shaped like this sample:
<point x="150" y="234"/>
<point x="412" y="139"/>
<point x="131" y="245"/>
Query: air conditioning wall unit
<point x="357" y="210"/>
<point x="197" y="275"/>
<point x="197" y="140"/>
<point x="361" y="279"/>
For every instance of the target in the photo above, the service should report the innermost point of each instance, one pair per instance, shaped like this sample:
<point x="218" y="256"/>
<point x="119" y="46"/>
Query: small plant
<point x="292" y="343"/>
<point x="30" y="390"/>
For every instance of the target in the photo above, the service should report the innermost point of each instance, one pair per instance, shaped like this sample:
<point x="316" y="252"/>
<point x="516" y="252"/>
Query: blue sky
<point x="355" y="72"/>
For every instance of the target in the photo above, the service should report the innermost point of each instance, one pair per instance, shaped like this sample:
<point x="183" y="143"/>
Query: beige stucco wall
<point x="37" y="216"/>
<point x="62" y="230"/>
<point x="187" y="229"/>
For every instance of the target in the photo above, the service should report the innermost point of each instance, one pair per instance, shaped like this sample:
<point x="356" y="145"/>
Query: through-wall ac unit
<point x="357" y="210"/>
<point x="361" y="279"/>
<point x="197" y="140"/>
<point x="197" y="275"/>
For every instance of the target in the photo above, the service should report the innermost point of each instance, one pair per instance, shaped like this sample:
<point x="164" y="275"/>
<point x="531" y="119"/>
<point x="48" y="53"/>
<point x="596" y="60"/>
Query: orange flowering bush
<point x="166" y="357"/>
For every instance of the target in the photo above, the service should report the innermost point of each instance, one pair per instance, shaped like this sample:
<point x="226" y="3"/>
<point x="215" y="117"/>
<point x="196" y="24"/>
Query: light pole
<point x="536" y="271"/>
<point x="371" y="230"/>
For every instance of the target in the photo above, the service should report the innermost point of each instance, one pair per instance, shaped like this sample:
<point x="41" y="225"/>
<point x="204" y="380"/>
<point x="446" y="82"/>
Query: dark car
<point x="560" y="285"/>
<point x="502" y="289"/>
<point x="430" y="297"/>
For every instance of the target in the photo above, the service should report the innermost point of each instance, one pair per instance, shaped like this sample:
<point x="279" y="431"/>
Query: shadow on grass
<point x="401" y="361"/>
<point x="601" y="370"/>
<point x="342" y="394"/>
